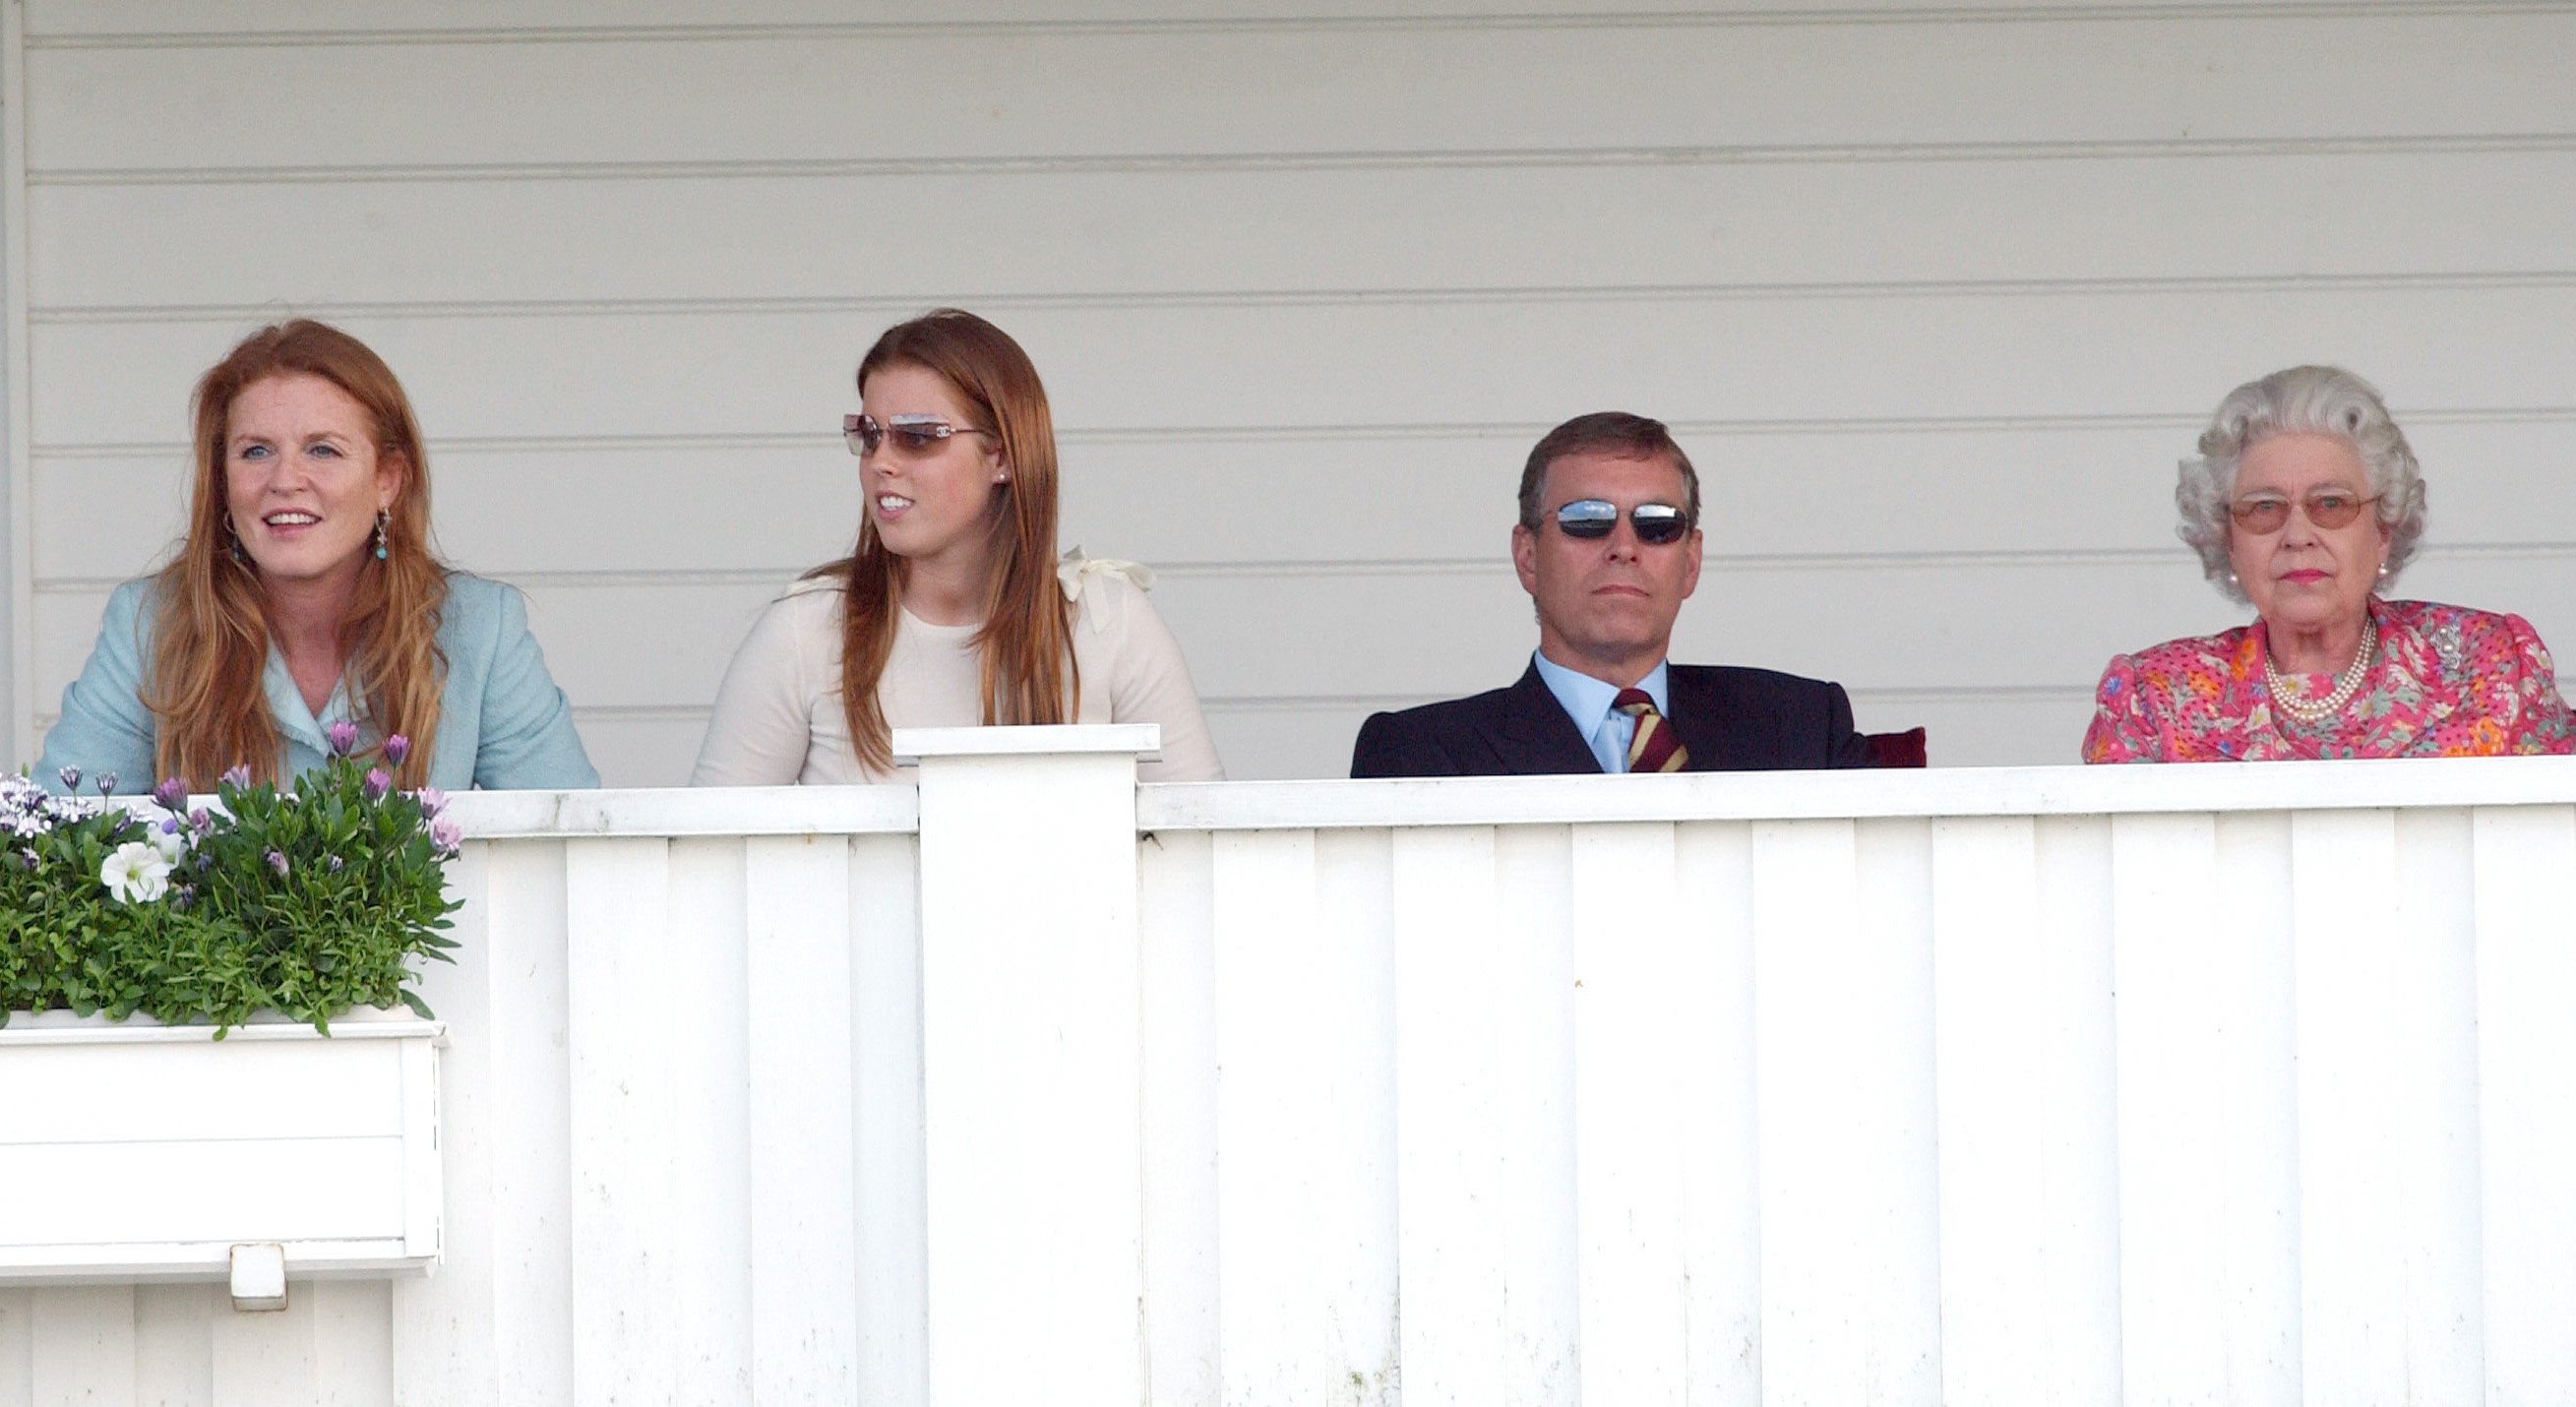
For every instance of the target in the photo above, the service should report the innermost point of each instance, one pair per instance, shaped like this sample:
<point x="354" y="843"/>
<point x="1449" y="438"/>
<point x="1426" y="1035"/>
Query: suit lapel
<point x="1532" y="735"/>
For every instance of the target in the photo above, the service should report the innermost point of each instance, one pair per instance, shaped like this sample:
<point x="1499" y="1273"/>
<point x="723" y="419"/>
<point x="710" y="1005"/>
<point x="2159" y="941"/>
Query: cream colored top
<point x="778" y="717"/>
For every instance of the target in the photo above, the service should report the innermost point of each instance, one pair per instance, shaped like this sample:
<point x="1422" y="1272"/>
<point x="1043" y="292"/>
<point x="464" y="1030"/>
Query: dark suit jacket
<point x="1731" y="720"/>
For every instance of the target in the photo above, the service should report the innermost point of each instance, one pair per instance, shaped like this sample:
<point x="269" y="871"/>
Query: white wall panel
<point x="1259" y="92"/>
<point x="128" y="21"/>
<point x="1558" y="223"/>
<point x="1935" y="294"/>
<point x="1245" y="364"/>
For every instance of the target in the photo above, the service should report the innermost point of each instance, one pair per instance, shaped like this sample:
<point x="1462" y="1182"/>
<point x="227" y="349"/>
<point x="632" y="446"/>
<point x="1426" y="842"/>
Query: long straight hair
<point x="211" y="643"/>
<point x="1025" y="646"/>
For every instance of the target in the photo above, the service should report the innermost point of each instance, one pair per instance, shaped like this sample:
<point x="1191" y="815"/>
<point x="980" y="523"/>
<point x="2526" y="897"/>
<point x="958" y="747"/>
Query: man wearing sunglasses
<point x="1608" y="547"/>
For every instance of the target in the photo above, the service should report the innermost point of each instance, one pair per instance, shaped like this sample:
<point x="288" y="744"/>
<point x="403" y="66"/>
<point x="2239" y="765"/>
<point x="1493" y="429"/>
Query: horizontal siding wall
<point x="1934" y="297"/>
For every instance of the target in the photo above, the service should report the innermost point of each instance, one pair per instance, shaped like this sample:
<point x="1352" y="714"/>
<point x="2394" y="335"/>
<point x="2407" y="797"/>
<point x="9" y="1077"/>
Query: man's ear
<point x="1690" y="572"/>
<point x="1525" y="558"/>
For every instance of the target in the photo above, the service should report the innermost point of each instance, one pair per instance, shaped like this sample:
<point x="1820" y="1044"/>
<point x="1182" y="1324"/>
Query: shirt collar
<point x="1587" y="700"/>
<point x="296" y="723"/>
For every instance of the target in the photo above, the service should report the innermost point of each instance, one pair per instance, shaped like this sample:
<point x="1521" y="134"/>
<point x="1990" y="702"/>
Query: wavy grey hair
<point x="2323" y="400"/>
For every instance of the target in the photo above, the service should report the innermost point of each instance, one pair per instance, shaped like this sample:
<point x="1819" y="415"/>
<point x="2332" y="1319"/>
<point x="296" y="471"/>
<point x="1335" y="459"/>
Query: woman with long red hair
<point x="954" y="609"/>
<point x="305" y="613"/>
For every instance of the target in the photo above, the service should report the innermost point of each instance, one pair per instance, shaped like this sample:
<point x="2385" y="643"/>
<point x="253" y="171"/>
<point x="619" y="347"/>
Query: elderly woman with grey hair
<point x="2305" y="503"/>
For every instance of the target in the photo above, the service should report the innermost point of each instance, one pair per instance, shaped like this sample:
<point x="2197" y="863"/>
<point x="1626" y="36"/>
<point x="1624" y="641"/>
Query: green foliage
<point x="307" y="902"/>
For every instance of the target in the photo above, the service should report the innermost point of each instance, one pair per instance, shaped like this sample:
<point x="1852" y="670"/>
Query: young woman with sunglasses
<point x="2305" y="502"/>
<point x="954" y="609"/>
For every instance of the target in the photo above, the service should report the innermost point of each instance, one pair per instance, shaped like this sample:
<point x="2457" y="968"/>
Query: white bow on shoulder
<point x="1081" y="576"/>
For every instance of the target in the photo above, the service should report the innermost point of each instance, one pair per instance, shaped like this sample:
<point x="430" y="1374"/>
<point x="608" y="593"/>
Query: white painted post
<point x="1030" y="1061"/>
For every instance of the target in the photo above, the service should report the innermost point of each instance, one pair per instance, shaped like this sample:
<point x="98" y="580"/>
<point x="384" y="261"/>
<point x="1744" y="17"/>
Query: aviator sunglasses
<point x="913" y="434"/>
<point x="1655" y="523"/>
<point x="2329" y="510"/>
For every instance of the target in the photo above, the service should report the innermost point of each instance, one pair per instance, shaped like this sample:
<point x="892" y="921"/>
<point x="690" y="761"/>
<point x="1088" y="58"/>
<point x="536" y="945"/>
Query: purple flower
<point x="70" y="777"/>
<point x="277" y="862"/>
<point x="200" y="821"/>
<point x="378" y="782"/>
<point x="446" y="834"/>
<point x="182" y="896"/>
<point x="397" y="748"/>
<point x="171" y="794"/>
<point x="432" y="801"/>
<point x="343" y="736"/>
<point x="333" y="864"/>
<point x="106" y="783"/>
<point x="237" y="775"/>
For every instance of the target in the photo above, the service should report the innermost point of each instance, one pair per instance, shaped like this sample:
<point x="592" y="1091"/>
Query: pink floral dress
<point x="2449" y="682"/>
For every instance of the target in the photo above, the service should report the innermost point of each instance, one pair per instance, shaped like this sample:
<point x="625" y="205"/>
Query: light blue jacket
<point x="502" y="723"/>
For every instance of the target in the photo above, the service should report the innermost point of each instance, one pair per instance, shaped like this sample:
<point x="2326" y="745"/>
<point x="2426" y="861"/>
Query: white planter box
<point x="134" y="1152"/>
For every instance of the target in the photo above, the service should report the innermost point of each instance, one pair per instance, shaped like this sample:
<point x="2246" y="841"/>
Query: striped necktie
<point x="1653" y="747"/>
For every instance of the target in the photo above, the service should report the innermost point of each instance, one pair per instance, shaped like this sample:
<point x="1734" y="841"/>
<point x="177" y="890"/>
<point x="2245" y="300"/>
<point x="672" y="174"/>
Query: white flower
<point x="167" y="833"/>
<point x="136" y="873"/>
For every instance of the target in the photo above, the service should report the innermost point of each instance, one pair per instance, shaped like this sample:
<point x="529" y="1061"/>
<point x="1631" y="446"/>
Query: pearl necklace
<point x="2346" y="684"/>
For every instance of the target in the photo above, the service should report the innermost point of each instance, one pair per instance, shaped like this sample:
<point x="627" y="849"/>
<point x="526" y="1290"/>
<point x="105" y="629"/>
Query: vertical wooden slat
<point x="1629" y="1199"/>
<point x="2385" y="1020"/>
<point x="1850" y="1268"/>
<point x="886" y="1138"/>
<point x="259" y="1359"/>
<point x="1449" y="1242"/>
<point x="1529" y="1069"/>
<point x="804" y="1189"/>
<point x="1275" y="1210"/>
<point x="1355" y="918"/>
<point x="2436" y="984"/>
<point x="18" y="1348"/>
<point x="494" y="1326"/>
<point x="1300" y="1015"/>
<point x="1713" y="1108"/>
<point x="352" y="1350"/>
<point x="2526" y="988"/>
<point x="83" y="1345"/>
<point x="2208" y="1161"/>
<point x="625" y="1284"/>
<point x="174" y="1343"/>
<point x="1176" y="982"/>
<point x="707" y="1061"/>
<point x="2029" y="1202"/>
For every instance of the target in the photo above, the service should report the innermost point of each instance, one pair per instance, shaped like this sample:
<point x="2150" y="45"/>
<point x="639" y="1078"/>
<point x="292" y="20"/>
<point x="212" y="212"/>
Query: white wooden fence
<point x="2240" y="1085"/>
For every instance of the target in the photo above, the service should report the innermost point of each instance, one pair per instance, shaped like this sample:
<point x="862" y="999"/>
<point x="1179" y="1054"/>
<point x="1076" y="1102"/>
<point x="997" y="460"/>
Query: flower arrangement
<point x="306" y="901"/>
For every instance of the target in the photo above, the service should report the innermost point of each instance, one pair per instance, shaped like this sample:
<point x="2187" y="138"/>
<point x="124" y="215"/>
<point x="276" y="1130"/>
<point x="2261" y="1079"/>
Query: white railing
<point x="2050" y="1086"/>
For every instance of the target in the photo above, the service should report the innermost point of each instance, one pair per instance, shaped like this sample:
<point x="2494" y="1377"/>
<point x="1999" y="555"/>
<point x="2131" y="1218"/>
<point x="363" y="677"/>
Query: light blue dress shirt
<point x="502" y="723"/>
<point x="1587" y="701"/>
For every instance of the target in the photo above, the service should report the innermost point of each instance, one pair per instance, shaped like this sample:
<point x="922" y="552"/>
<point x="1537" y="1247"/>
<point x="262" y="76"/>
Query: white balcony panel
<point x="2024" y="1087"/>
<point x="803" y="1145"/>
<point x="2024" y="1054"/>
<point x="2526" y="983"/>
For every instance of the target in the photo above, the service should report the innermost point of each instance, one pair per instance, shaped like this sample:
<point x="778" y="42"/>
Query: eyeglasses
<point x="912" y="434"/>
<point x="2330" y="509"/>
<point x="1655" y="523"/>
